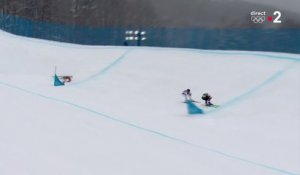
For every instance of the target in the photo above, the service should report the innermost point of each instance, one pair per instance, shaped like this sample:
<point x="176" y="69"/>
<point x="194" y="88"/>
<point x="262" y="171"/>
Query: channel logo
<point x="259" y="17"/>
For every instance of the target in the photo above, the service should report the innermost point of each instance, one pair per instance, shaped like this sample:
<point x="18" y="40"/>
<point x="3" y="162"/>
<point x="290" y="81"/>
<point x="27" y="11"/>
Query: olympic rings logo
<point x="258" y="19"/>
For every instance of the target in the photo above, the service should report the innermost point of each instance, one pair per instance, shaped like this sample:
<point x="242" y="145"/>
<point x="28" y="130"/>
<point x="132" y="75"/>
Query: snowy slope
<point x="123" y="113"/>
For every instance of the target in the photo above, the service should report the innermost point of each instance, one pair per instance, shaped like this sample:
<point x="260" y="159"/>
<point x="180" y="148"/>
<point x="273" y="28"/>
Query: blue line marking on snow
<point x="103" y="71"/>
<point x="113" y="64"/>
<point x="250" y="54"/>
<point x="245" y="95"/>
<point x="229" y="52"/>
<point x="230" y="102"/>
<point x="149" y="130"/>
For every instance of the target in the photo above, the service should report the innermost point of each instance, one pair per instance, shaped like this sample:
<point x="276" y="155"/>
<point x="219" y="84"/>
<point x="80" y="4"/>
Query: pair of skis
<point x="211" y="105"/>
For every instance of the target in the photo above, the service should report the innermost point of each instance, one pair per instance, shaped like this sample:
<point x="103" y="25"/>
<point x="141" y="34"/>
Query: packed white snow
<point x="123" y="113"/>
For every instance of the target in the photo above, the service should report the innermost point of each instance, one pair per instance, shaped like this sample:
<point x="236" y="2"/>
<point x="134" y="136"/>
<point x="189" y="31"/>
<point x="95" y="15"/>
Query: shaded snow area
<point x="123" y="113"/>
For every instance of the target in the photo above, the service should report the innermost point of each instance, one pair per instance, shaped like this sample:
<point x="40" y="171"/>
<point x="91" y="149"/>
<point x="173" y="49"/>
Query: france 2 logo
<point x="260" y="17"/>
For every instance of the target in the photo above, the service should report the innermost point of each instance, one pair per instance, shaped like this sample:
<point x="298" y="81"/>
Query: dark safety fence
<point x="277" y="40"/>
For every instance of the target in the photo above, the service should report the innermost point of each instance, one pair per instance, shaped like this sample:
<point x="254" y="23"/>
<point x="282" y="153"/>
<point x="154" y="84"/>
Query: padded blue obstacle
<point x="193" y="109"/>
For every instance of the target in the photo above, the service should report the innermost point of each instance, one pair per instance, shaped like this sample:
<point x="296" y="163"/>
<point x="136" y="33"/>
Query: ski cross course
<point x="152" y="131"/>
<point x="234" y="100"/>
<point x="285" y="66"/>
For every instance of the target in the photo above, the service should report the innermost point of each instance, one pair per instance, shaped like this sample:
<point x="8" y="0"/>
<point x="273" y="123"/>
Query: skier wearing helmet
<point x="206" y="97"/>
<point x="187" y="95"/>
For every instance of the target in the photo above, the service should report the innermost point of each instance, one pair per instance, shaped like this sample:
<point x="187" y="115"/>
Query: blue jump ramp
<point x="193" y="109"/>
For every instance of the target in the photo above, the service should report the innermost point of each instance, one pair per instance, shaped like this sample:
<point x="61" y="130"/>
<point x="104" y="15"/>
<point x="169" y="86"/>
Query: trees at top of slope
<point x="98" y="13"/>
<point x="145" y="13"/>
